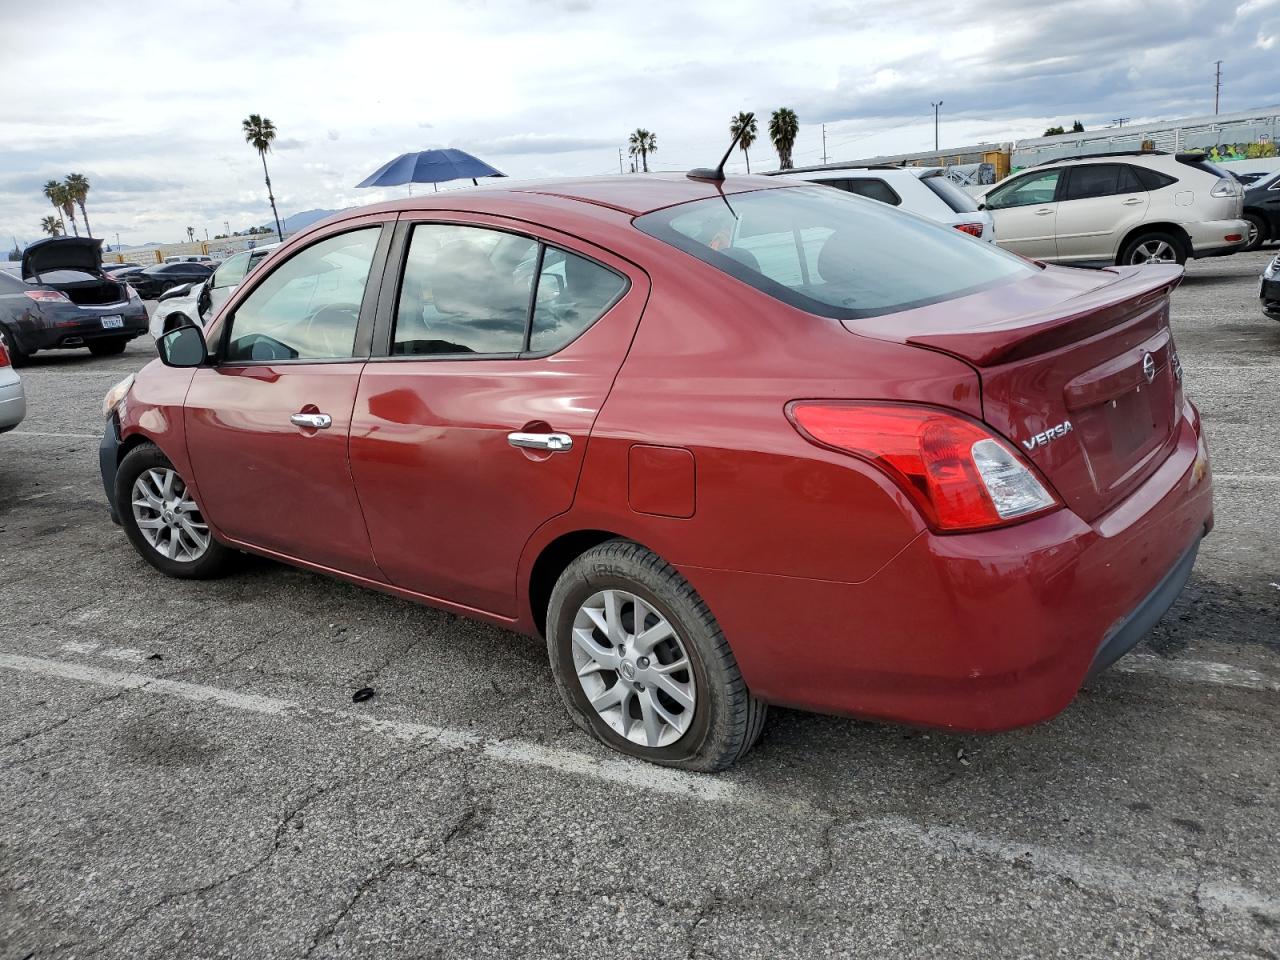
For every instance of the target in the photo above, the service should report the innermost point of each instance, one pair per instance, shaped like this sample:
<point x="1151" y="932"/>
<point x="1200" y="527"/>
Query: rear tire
<point x="17" y="356"/>
<point x="1257" y="232"/>
<point x="1154" y="247"/>
<point x="108" y="348"/>
<point x="699" y="716"/>
<point x="162" y="521"/>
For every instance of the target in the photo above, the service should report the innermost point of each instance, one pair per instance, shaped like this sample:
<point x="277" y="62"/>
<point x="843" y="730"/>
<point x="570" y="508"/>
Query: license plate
<point x="112" y="323"/>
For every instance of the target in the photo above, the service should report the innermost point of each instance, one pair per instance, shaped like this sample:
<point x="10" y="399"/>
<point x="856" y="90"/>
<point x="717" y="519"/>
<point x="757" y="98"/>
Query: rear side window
<point x="1101" y="180"/>
<point x="950" y="194"/>
<point x="472" y="291"/>
<point x="1152" y="179"/>
<point x="873" y="188"/>
<point x="825" y="252"/>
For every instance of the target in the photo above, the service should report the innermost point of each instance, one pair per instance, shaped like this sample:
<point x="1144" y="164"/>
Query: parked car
<point x="1262" y="211"/>
<point x="924" y="191"/>
<point x="13" y="400"/>
<point x="1250" y="178"/>
<point x="190" y="258"/>
<point x="1270" y="291"/>
<point x="153" y="281"/>
<point x="721" y="443"/>
<point x="1121" y="208"/>
<point x="193" y="302"/>
<point x="64" y="301"/>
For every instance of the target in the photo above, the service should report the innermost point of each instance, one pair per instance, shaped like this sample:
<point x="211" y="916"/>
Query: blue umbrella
<point x="430" y="166"/>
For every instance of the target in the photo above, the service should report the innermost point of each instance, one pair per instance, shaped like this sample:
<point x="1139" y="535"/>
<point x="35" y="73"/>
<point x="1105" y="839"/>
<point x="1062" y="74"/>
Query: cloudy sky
<point x="147" y="102"/>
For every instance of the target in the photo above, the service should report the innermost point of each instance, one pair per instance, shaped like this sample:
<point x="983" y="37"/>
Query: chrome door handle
<point x="316" y="421"/>
<point x="1132" y="202"/>
<point x="555" y="442"/>
<point x="1043" y="213"/>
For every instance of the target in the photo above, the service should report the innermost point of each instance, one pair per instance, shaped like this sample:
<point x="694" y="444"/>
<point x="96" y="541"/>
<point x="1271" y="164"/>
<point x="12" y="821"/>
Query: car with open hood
<point x="720" y="443"/>
<point x="64" y="300"/>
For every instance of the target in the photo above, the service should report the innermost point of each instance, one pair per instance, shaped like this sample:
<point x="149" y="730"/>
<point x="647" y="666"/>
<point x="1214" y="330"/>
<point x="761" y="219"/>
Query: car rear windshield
<point x="832" y="253"/>
<point x="950" y="194"/>
<point x="1200" y="162"/>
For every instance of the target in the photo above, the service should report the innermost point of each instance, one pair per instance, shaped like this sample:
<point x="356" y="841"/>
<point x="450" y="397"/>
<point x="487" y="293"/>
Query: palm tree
<point x="746" y="123"/>
<point x="51" y="225"/>
<point x="51" y="190"/>
<point x="641" y="144"/>
<point x="191" y="234"/>
<point x="783" y="127"/>
<point x="258" y="133"/>
<point x="68" y="206"/>
<point x="77" y="185"/>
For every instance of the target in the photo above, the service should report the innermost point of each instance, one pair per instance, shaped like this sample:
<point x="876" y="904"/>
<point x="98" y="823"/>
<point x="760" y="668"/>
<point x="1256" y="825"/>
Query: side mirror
<point x="183" y="347"/>
<point x="982" y="206"/>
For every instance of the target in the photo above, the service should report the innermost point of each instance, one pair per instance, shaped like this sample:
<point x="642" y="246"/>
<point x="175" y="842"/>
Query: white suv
<point x="1125" y="208"/>
<point x="924" y="191"/>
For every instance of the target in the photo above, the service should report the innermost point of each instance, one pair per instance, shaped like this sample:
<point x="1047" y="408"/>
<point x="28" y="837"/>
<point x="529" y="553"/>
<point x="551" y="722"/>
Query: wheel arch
<point x="1155" y="226"/>
<point x="552" y="560"/>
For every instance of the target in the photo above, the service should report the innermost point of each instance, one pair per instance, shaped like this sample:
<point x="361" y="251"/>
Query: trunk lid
<point x="62" y="253"/>
<point x="1063" y="360"/>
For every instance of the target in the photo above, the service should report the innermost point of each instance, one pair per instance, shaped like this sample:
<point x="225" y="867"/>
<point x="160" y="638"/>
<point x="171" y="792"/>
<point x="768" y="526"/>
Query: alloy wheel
<point x="633" y="668"/>
<point x="1252" y="241"/>
<point x="1154" y="251"/>
<point x="169" y="520"/>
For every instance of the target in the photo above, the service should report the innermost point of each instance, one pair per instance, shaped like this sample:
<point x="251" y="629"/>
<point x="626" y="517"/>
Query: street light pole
<point x="935" y="123"/>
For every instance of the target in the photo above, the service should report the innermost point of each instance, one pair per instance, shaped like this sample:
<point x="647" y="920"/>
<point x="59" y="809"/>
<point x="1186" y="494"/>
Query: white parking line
<point x="59" y="436"/>
<point x="1198" y="671"/>
<point x="1107" y="878"/>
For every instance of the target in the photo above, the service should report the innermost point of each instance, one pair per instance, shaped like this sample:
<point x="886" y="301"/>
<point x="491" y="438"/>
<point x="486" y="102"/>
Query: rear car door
<point x="1025" y="211"/>
<point x="267" y="424"/>
<point x="1101" y="203"/>
<point x="496" y="347"/>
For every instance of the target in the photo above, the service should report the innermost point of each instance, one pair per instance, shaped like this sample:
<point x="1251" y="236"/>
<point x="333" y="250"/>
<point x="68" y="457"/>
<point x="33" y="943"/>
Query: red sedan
<point x="722" y="444"/>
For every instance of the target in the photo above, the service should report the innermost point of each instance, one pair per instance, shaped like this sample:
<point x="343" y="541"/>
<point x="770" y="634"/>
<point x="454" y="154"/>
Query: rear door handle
<point x="316" y="421"/>
<point x="555" y="442"/>
<point x="1132" y="202"/>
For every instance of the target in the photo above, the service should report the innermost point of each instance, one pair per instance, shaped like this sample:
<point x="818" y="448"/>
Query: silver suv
<point x="1147" y="207"/>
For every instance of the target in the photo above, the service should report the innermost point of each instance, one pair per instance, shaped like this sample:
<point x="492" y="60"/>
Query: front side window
<point x="831" y="254"/>
<point x="1031" y="189"/>
<point x="308" y="308"/>
<point x="474" y="291"/>
<point x="231" y="271"/>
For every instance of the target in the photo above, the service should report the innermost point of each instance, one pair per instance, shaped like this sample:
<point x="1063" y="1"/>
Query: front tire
<point x="642" y="664"/>
<point x="17" y="356"/>
<point x="108" y="348"/>
<point x="162" y="520"/>
<point x="1154" y="247"/>
<point x="1257" y="232"/>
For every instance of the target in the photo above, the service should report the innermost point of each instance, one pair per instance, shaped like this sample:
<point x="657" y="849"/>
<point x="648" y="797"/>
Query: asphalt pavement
<point x="185" y="773"/>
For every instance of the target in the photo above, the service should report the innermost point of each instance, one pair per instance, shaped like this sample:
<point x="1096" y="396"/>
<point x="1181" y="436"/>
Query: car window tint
<point x="466" y="291"/>
<point x="573" y="293"/>
<point x="1033" y="188"/>
<point x="950" y="194"/>
<point x="1093" y="180"/>
<point x="231" y="272"/>
<point x="1152" y="179"/>
<point x="826" y="252"/>
<point x="874" y="188"/>
<point x="307" y="308"/>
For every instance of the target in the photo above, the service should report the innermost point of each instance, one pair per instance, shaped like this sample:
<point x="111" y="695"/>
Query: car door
<point x="267" y="423"/>
<point x="1101" y="203"/>
<point x="222" y="283"/>
<point x="1025" y="210"/>
<point x="472" y="419"/>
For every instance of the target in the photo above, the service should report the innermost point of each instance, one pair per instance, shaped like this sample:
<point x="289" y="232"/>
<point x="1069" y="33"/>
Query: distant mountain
<point x="300" y="221"/>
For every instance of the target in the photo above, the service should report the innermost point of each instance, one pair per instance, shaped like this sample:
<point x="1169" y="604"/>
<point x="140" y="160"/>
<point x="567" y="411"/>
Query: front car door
<point x="1025" y="210"/>
<point x="267" y="424"/>
<point x="1101" y="203"/>
<point x="495" y="350"/>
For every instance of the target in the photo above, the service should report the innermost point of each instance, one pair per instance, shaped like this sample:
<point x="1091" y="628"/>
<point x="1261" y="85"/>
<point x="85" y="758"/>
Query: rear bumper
<point x="1209" y="237"/>
<point x="76" y="326"/>
<point x="13" y="401"/>
<point x="980" y="632"/>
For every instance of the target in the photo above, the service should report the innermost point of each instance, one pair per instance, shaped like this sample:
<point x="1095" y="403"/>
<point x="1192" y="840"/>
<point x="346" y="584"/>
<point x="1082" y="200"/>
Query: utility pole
<point x="824" y="143"/>
<point x="935" y="123"/>
<point x="620" y="170"/>
<point x="1217" y="85"/>
<point x="227" y="225"/>
<point x="1120" y="121"/>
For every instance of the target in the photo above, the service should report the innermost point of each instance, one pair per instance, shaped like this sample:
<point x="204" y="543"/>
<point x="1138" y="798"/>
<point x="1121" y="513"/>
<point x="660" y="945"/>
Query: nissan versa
<point x="723" y="443"/>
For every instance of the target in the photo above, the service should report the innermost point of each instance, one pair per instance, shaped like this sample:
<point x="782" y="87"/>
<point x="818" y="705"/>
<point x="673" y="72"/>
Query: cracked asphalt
<point x="186" y="775"/>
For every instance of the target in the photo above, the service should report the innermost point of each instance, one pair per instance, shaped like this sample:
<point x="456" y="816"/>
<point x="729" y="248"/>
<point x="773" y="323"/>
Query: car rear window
<point x="1198" y="161"/>
<point x="950" y="194"/>
<point x="833" y="254"/>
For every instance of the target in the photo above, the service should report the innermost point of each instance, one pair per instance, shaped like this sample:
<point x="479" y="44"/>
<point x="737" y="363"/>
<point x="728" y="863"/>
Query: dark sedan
<point x="1262" y="211"/>
<point x="64" y="301"/>
<point x="153" y="281"/>
<point x="1270" y="292"/>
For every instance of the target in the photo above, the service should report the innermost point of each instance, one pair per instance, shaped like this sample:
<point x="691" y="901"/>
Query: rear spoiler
<point x="1079" y="318"/>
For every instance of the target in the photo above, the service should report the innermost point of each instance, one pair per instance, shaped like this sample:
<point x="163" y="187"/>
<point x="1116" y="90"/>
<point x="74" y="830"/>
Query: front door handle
<point x="315" y="421"/>
<point x="1045" y="212"/>
<point x="555" y="442"/>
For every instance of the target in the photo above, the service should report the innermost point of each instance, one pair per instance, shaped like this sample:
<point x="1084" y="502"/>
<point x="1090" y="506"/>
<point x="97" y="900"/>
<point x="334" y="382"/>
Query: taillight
<point x="960" y="475"/>
<point x="47" y="296"/>
<point x="973" y="229"/>
<point x="4" y="355"/>
<point x="1227" y="187"/>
